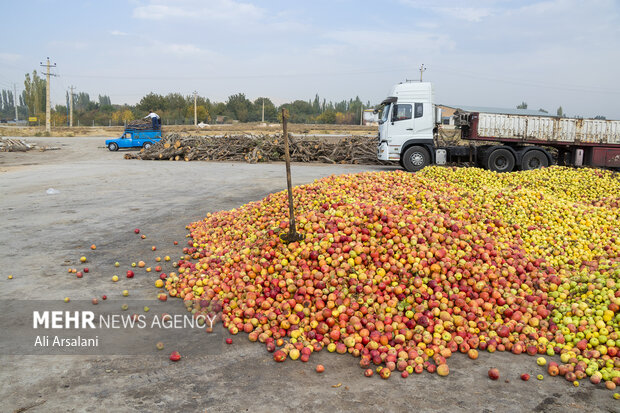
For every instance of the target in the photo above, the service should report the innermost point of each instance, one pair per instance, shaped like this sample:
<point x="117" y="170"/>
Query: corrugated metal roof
<point x="502" y="111"/>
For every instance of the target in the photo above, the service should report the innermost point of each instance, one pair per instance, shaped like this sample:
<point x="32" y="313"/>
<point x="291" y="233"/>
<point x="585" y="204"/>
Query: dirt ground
<point x="101" y="198"/>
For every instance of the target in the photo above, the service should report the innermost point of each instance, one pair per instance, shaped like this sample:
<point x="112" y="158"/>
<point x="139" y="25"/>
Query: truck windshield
<point x="384" y="114"/>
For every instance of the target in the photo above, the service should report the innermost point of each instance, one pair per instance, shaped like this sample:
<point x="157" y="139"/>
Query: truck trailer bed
<point x="543" y="130"/>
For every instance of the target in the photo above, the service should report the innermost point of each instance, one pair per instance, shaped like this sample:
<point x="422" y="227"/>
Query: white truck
<point x="410" y="122"/>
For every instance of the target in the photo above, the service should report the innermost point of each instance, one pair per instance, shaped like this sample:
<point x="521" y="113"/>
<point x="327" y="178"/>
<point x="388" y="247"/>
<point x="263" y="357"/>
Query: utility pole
<point x="362" y="115"/>
<point x="195" y="109"/>
<point x="15" y="102"/>
<point x="263" y="116"/>
<point x="48" y="111"/>
<point x="71" y="108"/>
<point x="422" y="70"/>
<point x="36" y="102"/>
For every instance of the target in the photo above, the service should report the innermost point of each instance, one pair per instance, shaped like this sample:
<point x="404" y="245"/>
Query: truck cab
<point x="407" y="124"/>
<point x="134" y="138"/>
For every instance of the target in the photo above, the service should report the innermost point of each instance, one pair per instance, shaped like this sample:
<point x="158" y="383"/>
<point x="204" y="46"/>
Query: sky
<point x="494" y="53"/>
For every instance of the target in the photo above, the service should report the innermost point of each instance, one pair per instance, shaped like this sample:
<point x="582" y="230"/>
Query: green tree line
<point x="175" y="108"/>
<point x="239" y="107"/>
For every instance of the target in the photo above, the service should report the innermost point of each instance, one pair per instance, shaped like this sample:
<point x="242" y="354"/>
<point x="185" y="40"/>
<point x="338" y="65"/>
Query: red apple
<point x="279" y="356"/>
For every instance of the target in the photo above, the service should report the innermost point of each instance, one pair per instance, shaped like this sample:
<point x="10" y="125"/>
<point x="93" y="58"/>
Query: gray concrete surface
<point x="102" y="198"/>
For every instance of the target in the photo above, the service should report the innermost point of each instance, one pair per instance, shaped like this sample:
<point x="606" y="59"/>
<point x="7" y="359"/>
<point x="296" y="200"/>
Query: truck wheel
<point x="533" y="160"/>
<point x="500" y="160"/>
<point x="147" y="145"/>
<point x="415" y="158"/>
<point x="113" y="147"/>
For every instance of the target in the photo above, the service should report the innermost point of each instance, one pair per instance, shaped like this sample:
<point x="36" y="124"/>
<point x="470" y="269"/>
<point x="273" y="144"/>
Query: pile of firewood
<point x="262" y="148"/>
<point x="14" y="145"/>
<point x="140" y="124"/>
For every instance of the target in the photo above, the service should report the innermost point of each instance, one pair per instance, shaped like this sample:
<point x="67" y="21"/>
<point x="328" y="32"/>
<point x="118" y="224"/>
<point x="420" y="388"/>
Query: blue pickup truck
<point x="135" y="138"/>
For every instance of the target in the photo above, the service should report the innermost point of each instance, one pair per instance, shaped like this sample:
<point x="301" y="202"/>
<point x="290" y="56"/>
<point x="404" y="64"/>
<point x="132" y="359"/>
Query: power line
<point x="257" y="76"/>
<point x="527" y="81"/>
<point x="572" y="88"/>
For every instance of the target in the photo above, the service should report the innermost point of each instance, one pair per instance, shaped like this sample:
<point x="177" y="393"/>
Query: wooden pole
<point x="292" y="235"/>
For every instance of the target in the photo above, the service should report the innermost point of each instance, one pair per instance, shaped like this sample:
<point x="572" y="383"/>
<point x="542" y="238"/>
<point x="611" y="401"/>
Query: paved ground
<point x="102" y="198"/>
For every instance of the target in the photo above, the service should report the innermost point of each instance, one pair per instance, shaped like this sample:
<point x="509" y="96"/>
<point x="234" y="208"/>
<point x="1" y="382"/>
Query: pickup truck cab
<point x="134" y="138"/>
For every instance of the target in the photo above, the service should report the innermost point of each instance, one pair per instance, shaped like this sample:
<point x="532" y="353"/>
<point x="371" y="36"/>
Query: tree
<point x="271" y="113"/>
<point x="329" y="116"/>
<point x="239" y="107"/>
<point x="201" y="113"/>
<point x="176" y="102"/>
<point x="344" y="118"/>
<point x="117" y="117"/>
<point x="59" y="117"/>
<point x="151" y="101"/>
<point x="104" y="102"/>
<point x="560" y="112"/>
<point x="82" y="102"/>
<point x="4" y="104"/>
<point x="523" y="105"/>
<point x="34" y="93"/>
<point x="355" y="107"/>
<point x="542" y="110"/>
<point x="316" y="105"/>
<point x="127" y="116"/>
<point x="219" y="109"/>
<point x="600" y="117"/>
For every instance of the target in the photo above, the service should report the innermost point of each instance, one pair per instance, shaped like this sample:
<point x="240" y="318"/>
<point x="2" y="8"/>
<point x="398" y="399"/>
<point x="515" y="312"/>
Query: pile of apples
<point x="404" y="270"/>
